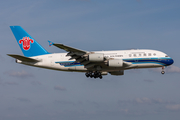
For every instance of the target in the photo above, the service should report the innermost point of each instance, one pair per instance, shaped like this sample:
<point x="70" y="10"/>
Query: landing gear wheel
<point x="163" y="70"/>
<point x="87" y="74"/>
<point x="95" y="74"/>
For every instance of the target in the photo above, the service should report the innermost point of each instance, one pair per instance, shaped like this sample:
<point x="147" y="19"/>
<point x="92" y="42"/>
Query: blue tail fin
<point x="28" y="45"/>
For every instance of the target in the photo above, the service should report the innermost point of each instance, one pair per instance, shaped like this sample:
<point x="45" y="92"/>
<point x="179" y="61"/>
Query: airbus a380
<point x="93" y="63"/>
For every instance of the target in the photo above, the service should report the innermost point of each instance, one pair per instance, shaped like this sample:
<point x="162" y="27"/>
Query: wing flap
<point x="22" y="58"/>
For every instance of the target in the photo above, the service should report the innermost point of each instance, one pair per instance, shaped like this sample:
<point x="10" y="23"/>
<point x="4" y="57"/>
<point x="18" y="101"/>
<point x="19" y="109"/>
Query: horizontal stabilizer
<point x="22" y="58"/>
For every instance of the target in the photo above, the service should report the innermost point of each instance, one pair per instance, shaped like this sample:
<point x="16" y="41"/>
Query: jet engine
<point x="96" y="57"/>
<point x="115" y="63"/>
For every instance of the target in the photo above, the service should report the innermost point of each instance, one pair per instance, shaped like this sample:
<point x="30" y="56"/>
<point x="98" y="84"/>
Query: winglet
<point x="50" y="43"/>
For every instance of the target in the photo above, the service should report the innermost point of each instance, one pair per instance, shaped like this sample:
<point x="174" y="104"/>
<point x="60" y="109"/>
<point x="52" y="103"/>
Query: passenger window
<point x="144" y="54"/>
<point x="134" y="55"/>
<point x="129" y="55"/>
<point x="154" y="54"/>
<point x="149" y="54"/>
<point x="139" y="55"/>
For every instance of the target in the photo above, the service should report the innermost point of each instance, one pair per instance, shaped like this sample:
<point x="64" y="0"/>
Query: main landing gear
<point x="162" y="72"/>
<point x="95" y="74"/>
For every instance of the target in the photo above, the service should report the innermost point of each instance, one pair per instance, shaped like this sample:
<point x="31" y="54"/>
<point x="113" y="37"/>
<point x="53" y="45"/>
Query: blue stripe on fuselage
<point x="162" y="61"/>
<point x="165" y="61"/>
<point x="69" y="63"/>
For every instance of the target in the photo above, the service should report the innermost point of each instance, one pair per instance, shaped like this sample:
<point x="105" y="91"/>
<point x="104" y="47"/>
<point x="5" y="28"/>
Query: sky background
<point x="29" y="93"/>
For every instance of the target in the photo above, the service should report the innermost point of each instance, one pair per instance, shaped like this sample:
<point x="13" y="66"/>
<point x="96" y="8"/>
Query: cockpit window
<point x="166" y="56"/>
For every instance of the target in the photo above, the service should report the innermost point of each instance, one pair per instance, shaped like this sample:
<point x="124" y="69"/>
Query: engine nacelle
<point x="115" y="63"/>
<point x="96" y="57"/>
<point x="121" y="72"/>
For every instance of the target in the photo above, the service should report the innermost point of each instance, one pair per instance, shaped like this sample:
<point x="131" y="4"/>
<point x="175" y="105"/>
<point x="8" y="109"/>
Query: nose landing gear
<point x="162" y="72"/>
<point x="95" y="74"/>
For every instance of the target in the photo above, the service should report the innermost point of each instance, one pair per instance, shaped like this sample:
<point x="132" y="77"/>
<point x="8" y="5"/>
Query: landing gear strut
<point x="95" y="74"/>
<point x="162" y="72"/>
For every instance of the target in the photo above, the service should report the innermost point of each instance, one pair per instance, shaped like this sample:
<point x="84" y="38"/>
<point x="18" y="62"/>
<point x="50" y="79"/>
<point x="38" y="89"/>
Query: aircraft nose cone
<point x="171" y="61"/>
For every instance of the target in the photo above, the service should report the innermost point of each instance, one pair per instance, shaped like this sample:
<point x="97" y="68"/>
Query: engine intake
<point x="115" y="63"/>
<point x="96" y="57"/>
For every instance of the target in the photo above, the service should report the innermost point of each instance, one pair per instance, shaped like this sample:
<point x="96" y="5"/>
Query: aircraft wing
<point x="79" y="55"/>
<point x="22" y="58"/>
<point x="69" y="49"/>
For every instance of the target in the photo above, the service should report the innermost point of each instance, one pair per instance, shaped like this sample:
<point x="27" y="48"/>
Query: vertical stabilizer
<point x="28" y="45"/>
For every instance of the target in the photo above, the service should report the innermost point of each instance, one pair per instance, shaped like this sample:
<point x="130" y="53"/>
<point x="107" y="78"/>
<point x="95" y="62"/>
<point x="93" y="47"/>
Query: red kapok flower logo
<point x="26" y="42"/>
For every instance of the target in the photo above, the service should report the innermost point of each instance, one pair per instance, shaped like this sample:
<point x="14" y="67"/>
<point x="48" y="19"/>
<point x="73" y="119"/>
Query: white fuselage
<point x="135" y="58"/>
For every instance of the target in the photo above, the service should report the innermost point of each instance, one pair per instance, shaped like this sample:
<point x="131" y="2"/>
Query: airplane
<point x="93" y="63"/>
